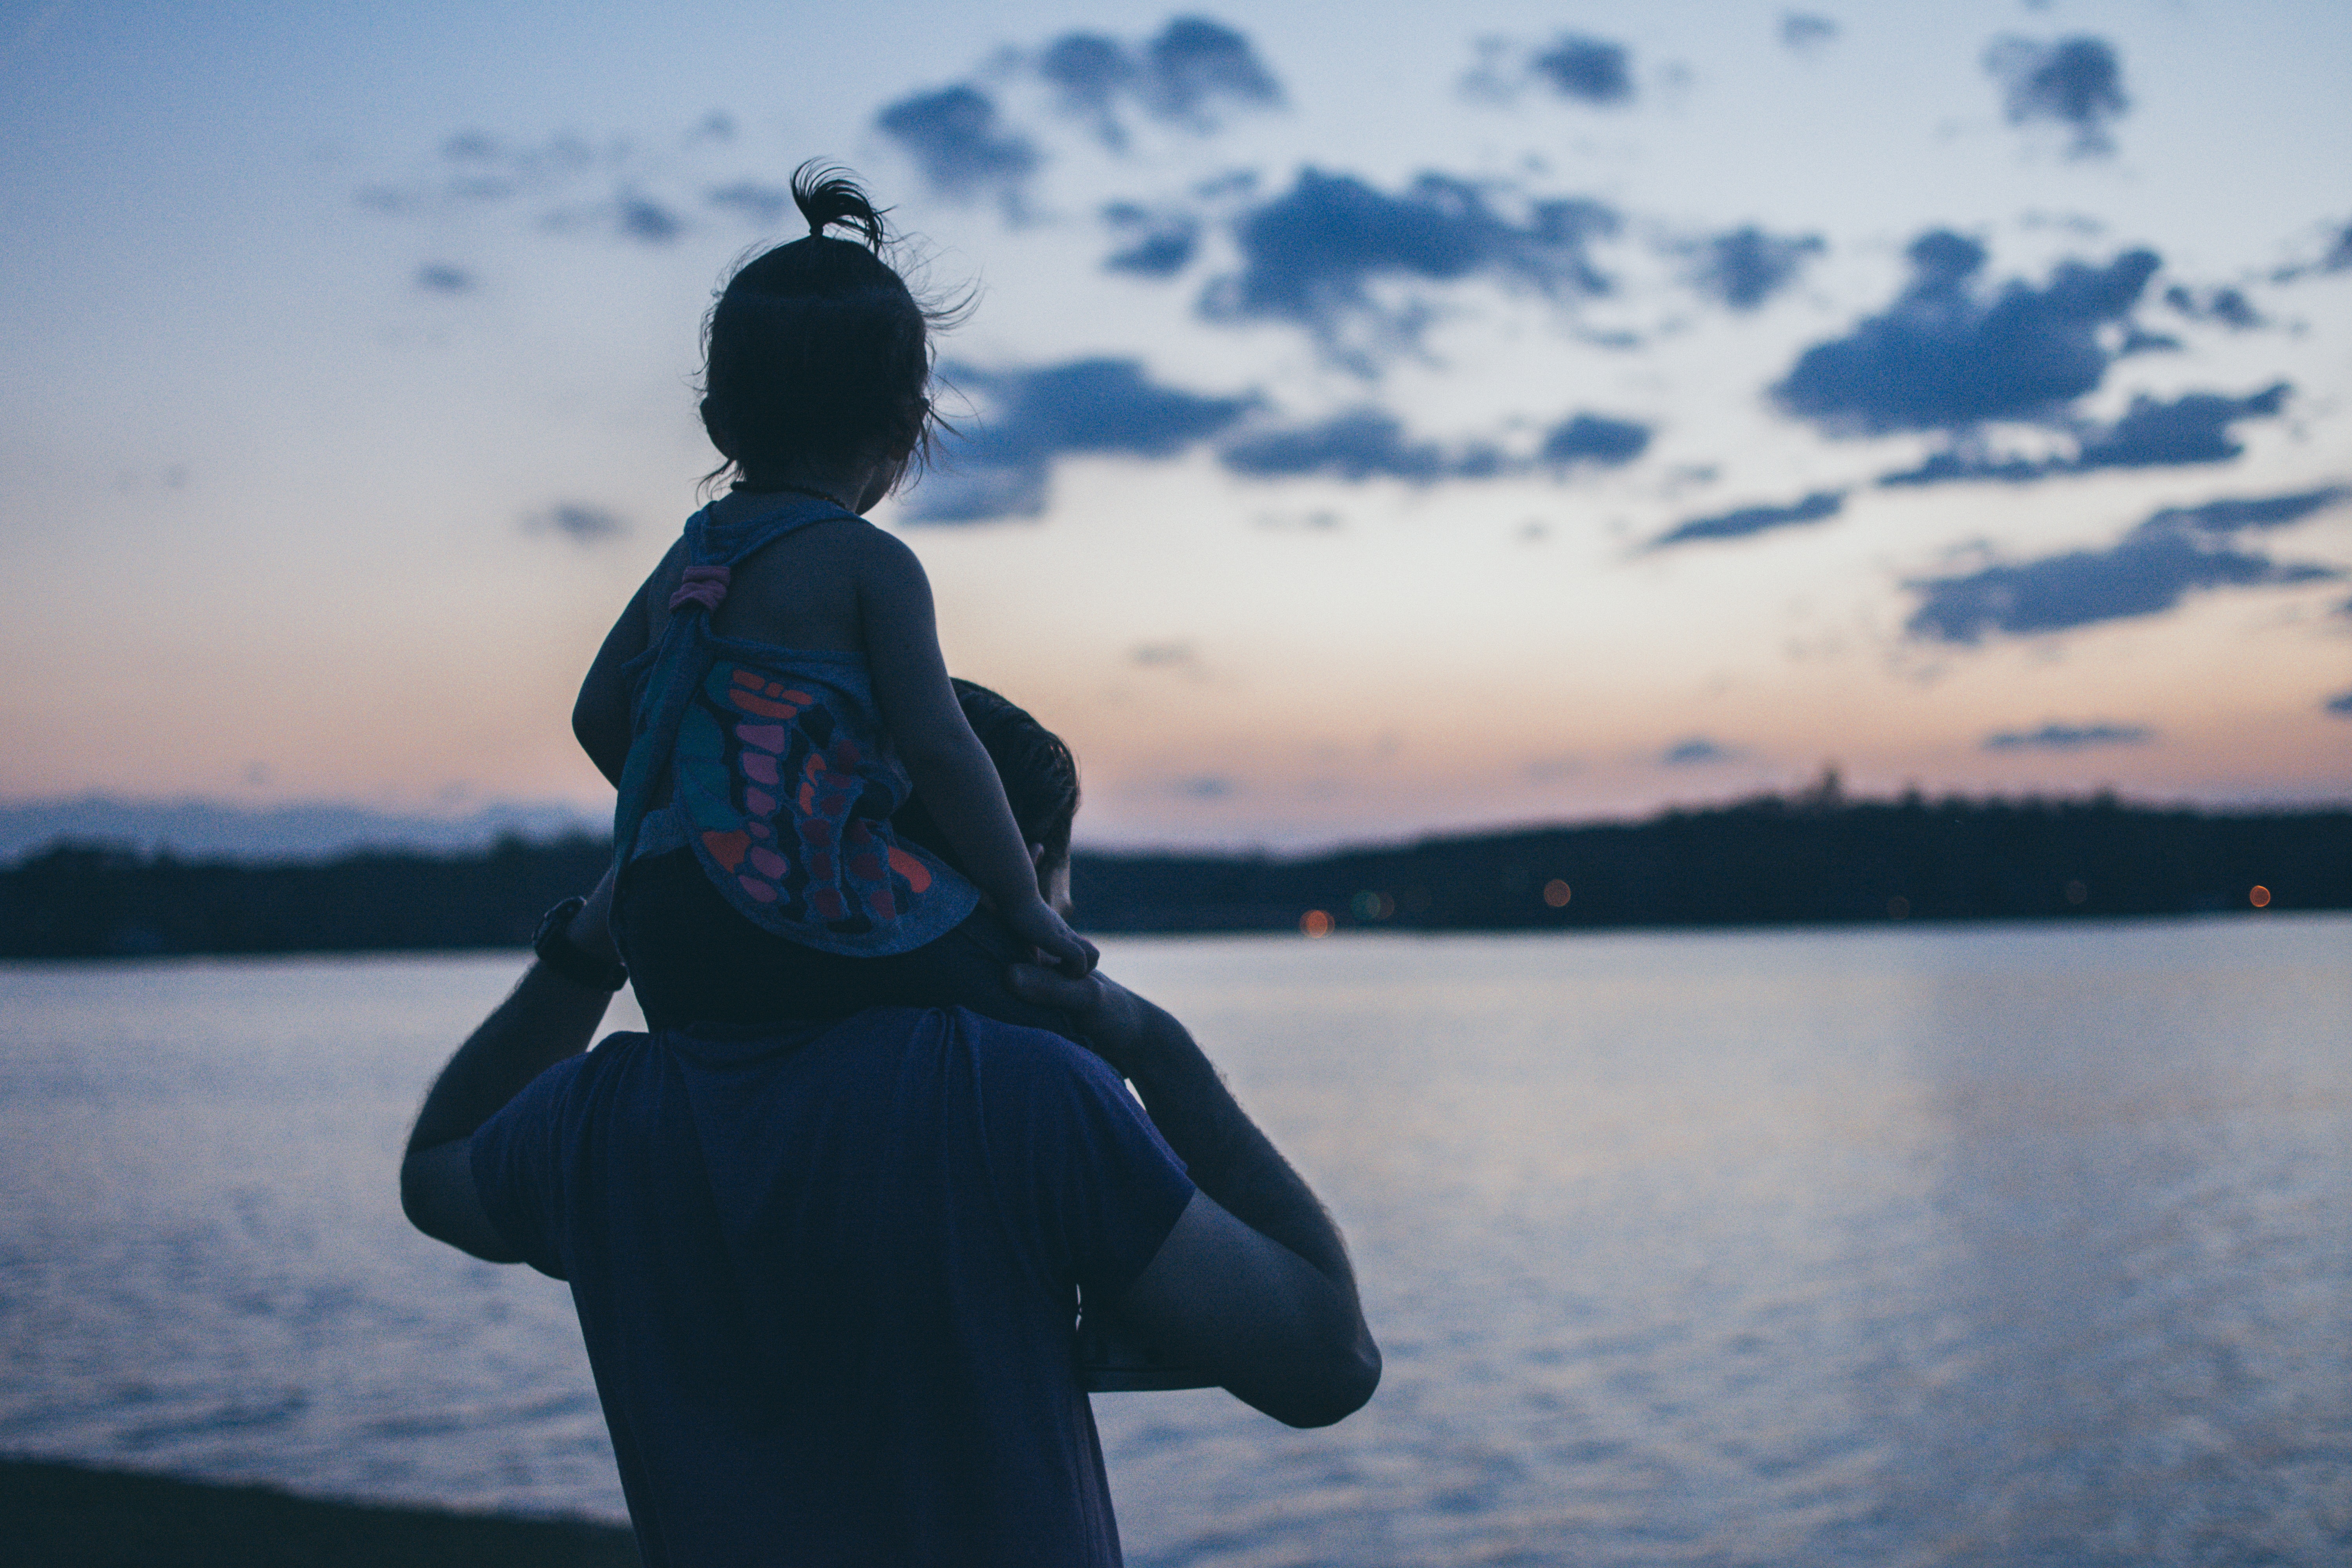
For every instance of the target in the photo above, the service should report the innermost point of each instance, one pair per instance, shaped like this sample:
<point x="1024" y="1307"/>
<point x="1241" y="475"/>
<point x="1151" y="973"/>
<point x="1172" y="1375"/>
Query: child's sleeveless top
<point x="777" y="771"/>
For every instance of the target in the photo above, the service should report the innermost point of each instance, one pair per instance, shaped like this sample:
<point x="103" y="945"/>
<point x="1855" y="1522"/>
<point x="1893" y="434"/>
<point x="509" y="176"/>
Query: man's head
<point x="1040" y="783"/>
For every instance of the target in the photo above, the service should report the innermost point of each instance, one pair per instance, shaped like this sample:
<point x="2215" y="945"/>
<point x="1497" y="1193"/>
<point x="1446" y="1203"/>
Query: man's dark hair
<point x="1040" y="776"/>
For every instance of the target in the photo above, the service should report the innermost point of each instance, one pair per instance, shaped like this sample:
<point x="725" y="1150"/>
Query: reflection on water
<point x="1979" y="1245"/>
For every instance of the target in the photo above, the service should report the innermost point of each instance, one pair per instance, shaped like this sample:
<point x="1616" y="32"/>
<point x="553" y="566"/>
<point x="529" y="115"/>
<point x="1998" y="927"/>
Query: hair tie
<point x="704" y="585"/>
<point x="816" y="229"/>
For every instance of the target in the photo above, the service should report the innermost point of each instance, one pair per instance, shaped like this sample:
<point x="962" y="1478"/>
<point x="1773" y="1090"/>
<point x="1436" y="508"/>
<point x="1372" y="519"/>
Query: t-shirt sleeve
<point x="1106" y="1187"/>
<point x="517" y="1168"/>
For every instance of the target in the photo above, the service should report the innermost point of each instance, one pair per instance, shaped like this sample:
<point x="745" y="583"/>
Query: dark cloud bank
<point x="2192" y="428"/>
<point x="1367" y="443"/>
<point x="1003" y="467"/>
<point x="1187" y="75"/>
<point x="954" y="137"/>
<point x="1030" y="418"/>
<point x="1944" y="356"/>
<point x="1950" y="357"/>
<point x="2151" y="569"/>
<point x="1311" y="255"/>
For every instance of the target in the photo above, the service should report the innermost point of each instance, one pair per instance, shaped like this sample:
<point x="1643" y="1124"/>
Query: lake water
<point x="1888" y="1245"/>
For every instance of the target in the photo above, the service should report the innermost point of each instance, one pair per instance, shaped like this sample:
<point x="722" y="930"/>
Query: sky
<point x="1374" y="421"/>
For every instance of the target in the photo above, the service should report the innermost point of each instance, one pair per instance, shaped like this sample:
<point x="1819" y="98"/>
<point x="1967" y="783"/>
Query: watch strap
<point x="556" y="950"/>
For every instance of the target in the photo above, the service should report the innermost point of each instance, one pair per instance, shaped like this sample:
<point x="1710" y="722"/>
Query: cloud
<point x="1162" y="655"/>
<point x="1152" y="244"/>
<point x="2339" y="255"/>
<point x="1739" y="524"/>
<point x="2227" y="306"/>
<point x="2076" y="83"/>
<point x="1196" y="63"/>
<point x="2340" y="705"/>
<point x="1594" y="438"/>
<point x="579" y="522"/>
<point x="1204" y="786"/>
<point x="2173" y="553"/>
<point x="648" y="221"/>
<point x="953" y="137"/>
<point x="2192" y="428"/>
<point x="1745" y="266"/>
<point x="1695" y="751"/>
<point x="2336" y="259"/>
<point x="1805" y="33"/>
<point x="1309" y="255"/>
<point x="1004" y="467"/>
<point x="1187" y="75"/>
<point x="2057" y="737"/>
<point x="1365" y="443"/>
<point x="1359" y="444"/>
<point x="440" y="277"/>
<point x="1590" y="70"/>
<point x="1943" y="357"/>
<point x="762" y="205"/>
<point x="2267" y="512"/>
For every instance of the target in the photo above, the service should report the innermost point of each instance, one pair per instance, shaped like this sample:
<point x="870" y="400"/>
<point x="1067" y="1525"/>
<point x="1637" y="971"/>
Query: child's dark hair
<point x="818" y="347"/>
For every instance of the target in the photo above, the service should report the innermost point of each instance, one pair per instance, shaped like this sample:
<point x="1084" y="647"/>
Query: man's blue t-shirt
<point x="826" y="1279"/>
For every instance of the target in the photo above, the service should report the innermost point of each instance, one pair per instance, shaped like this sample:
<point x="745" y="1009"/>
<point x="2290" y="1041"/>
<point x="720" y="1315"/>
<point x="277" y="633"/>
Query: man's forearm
<point x="1227" y="1156"/>
<point x="547" y="1017"/>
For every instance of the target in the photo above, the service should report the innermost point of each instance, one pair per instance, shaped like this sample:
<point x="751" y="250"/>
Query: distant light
<point x="1374" y="906"/>
<point x="2076" y="892"/>
<point x="1556" y="893"/>
<point x="2260" y="898"/>
<point x="1316" y="922"/>
<point x="1898" y="908"/>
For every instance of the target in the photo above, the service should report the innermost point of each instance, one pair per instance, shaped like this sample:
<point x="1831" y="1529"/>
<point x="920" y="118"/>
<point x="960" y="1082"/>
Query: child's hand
<point x="1041" y="928"/>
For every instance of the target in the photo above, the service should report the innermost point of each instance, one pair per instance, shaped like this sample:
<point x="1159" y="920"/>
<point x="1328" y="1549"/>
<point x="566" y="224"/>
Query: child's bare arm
<point x="600" y="719"/>
<point x="950" y="767"/>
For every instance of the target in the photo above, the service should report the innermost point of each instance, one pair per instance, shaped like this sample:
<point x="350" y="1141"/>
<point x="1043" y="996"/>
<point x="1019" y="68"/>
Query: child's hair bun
<point x="827" y="195"/>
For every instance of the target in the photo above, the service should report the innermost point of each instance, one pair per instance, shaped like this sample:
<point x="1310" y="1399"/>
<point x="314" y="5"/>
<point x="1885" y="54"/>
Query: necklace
<point x="745" y="486"/>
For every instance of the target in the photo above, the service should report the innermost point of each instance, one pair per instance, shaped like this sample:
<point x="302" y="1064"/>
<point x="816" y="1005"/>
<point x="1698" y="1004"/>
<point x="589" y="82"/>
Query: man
<point x="825" y="1275"/>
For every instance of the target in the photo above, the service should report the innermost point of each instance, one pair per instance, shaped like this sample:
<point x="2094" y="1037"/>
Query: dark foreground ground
<point x="62" y="1516"/>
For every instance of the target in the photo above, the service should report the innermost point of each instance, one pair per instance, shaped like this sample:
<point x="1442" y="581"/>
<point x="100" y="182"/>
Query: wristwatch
<point x="561" y="953"/>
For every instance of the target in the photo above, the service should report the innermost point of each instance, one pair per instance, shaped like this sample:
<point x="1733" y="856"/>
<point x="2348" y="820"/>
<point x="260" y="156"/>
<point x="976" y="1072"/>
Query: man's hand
<point x="1112" y="1018"/>
<point x="1253" y="1284"/>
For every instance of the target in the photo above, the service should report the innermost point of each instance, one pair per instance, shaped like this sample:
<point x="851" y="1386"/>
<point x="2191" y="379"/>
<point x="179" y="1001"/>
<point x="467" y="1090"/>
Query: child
<point x="775" y="689"/>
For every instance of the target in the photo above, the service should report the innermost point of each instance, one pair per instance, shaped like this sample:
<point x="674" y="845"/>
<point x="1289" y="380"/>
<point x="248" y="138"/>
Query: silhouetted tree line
<point x="1761" y="862"/>
<point x="75" y="901"/>
<point x="1812" y="858"/>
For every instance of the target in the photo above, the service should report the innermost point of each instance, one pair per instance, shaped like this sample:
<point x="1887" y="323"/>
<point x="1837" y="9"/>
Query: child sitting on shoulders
<point x="776" y="691"/>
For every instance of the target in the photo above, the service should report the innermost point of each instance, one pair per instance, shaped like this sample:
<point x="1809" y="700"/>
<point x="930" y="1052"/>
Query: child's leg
<point x="693" y="958"/>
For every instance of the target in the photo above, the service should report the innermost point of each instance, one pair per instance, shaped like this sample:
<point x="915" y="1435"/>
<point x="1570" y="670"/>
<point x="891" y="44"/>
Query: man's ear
<point x="1037" y="853"/>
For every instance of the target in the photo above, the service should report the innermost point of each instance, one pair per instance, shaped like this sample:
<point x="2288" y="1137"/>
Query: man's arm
<point x="1253" y="1284"/>
<point x="548" y="1017"/>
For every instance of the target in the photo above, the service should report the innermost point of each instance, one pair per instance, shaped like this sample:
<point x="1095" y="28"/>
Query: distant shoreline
<point x="1811" y="859"/>
<point x="62" y="1515"/>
